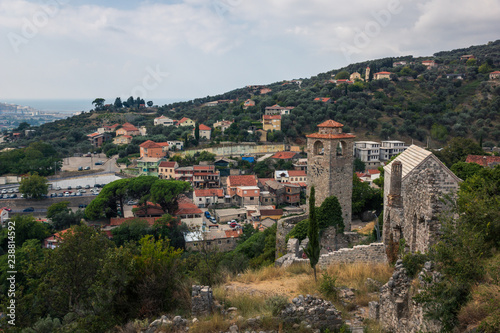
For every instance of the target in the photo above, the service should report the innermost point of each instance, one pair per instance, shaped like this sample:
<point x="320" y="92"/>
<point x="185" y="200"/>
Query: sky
<point x="63" y="49"/>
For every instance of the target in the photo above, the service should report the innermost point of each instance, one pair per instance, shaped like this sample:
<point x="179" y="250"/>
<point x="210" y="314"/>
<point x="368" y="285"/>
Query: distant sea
<point x="74" y="105"/>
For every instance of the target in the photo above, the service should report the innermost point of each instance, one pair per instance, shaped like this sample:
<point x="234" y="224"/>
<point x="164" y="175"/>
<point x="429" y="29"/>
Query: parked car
<point x="4" y="191"/>
<point x="131" y="202"/>
<point x="13" y="196"/>
<point x="7" y="209"/>
<point x="58" y="188"/>
<point x="87" y="186"/>
<point x="82" y="191"/>
<point x="87" y="168"/>
<point x="69" y="187"/>
<point x="60" y="195"/>
<point x="79" y="194"/>
<point x="213" y="220"/>
<point x="207" y="214"/>
<point x="78" y="187"/>
<point x="80" y="168"/>
<point x="28" y="209"/>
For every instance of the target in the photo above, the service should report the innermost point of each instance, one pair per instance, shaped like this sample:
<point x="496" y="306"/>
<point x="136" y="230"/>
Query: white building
<point x="165" y="121"/>
<point x="368" y="152"/>
<point x="389" y="149"/>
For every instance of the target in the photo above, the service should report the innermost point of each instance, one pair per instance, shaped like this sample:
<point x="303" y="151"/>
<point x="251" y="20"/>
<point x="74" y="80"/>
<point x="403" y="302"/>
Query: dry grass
<point x="367" y="229"/>
<point x="355" y="275"/>
<point x="215" y="323"/>
<point x="483" y="309"/>
<point x="262" y="274"/>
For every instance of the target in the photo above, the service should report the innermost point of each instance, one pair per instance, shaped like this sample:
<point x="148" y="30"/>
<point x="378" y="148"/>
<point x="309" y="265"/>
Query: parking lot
<point x="97" y="162"/>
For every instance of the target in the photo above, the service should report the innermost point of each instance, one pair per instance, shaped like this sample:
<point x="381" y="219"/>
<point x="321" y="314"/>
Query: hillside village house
<point x="185" y="122"/>
<point x="175" y="145"/>
<point x="290" y="176"/>
<point x="153" y="149"/>
<point x="148" y="166"/>
<point x="165" y="121"/>
<point x="97" y="139"/>
<point x="292" y="194"/>
<point x="248" y="103"/>
<point x="205" y="131"/>
<point x="206" y="197"/>
<point x="128" y="129"/>
<point x="495" y="75"/>
<point x="205" y="176"/>
<point x="485" y="161"/>
<point x="382" y="75"/>
<point x="399" y="63"/>
<point x="233" y="182"/>
<point x="223" y="125"/>
<point x="188" y="212"/>
<point x="107" y="128"/>
<point x="276" y="109"/>
<point x="122" y="140"/>
<point x="166" y="170"/>
<point x="247" y="195"/>
<point x="429" y="64"/>
<point x="271" y="123"/>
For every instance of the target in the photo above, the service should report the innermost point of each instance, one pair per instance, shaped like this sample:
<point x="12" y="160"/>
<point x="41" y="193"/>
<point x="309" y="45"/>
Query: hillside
<point x="415" y="103"/>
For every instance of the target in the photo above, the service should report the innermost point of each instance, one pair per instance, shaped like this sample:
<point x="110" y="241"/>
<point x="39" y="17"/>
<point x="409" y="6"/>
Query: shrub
<point x="327" y="286"/>
<point x="276" y="304"/>
<point x="413" y="262"/>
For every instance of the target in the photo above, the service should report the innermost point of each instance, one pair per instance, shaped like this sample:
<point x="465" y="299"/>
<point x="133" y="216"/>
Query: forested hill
<point x="456" y="98"/>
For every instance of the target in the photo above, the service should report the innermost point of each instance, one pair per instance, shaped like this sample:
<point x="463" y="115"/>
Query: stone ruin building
<point x="330" y="166"/>
<point x="414" y="184"/>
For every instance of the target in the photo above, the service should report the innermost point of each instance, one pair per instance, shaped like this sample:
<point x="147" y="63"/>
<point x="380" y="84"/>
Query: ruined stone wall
<point x="318" y="313"/>
<point x="396" y="310"/>
<point x="283" y="227"/>
<point x="331" y="241"/>
<point x="201" y="300"/>
<point x="373" y="253"/>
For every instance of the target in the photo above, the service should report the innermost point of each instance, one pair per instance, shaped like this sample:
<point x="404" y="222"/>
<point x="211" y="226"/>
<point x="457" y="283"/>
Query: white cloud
<point x="212" y="46"/>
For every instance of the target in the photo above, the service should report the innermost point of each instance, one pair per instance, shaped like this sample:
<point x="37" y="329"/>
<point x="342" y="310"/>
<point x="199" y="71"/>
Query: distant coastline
<point x="72" y="105"/>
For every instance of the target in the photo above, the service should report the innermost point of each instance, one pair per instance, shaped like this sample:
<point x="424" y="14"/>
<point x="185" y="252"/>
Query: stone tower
<point x="330" y="166"/>
<point x="367" y="74"/>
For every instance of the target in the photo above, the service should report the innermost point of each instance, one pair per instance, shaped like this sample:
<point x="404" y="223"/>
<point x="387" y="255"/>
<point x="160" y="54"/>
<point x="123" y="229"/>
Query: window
<point x="251" y="198"/>
<point x="208" y="243"/>
<point x="244" y="192"/>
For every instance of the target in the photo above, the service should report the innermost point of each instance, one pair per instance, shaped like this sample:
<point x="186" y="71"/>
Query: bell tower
<point x="330" y="166"/>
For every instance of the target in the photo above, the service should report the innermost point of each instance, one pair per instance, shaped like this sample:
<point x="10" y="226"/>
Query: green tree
<point x="98" y="103"/>
<point x="56" y="208"/>
<point x="166" y="192"/>
<point x="365" y="197"/>
<point x="131" y="231"/>
<point x="342" y="75"/>
<point x="466" y="170"/>
<point x="457" y="151"/>
<point x="313" y="248"/>
<point x="150" y="103"/>
<point x="106" y="203"/>
<point x="330" y="214"/>
<point x="359" y="165"/>
<point x="34" y="186"/>
<point x="27" y="227"/>
<point x="66" y="219"/>
<point x="118" y="103"/>
<point x="197" y="131"/>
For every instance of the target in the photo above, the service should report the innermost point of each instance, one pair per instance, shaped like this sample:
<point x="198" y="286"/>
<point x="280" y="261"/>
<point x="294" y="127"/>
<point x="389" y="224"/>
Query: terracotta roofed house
<point x="185" y="122"/>
<point x="166" y="170"/>
<point x="485" y="161"/>
<point x="271" y="123"/>
<point x="244" y="180"/>
<point x="495" y="75"/>
<point x="153" y="149"/>
<point x="382" y="75"/>
<point x="205" y="131"/>
<point x="128" y="129"/>
<point x="284" y="155"/>
<point x="207" y="197"/>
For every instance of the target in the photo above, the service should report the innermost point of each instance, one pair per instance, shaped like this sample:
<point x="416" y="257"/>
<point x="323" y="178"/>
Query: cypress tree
<point x="312" y="249"/>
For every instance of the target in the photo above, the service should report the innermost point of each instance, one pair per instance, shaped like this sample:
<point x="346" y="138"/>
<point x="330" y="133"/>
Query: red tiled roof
<point x="296" y="173"/>
<point x="90" y="135"/>
<point x="204" y="128"/>
<point x="152" y="209"/>
<point x="203" y="167"/>
<point x="129" y="127"/>
<point x="383" y="73"/>
<point x="264" y="180"/>
<point x="331" y="136"/>
<point x="233" y="233"/>
<point x="209" y="192"/>
<point x="183" y="120"/>
<point x="244" y="180"/>
<point x="483" y="160"/>
<point x="330" y="123"/>
<point x="495" y="72"/>
<point x="322" y="99"/>
<point x="120" y="220"/>
<point x="270" y="117"/>
<point x="127" y="136"/>
<point x="373" y="171"/>
<point x="165" y="164"/>
<point x="284" y="155"/>
<point x="149" y="144"/>
<point x="187" y="207"/>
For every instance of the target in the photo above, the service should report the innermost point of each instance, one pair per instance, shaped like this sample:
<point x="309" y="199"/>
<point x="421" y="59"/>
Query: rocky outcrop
<point x="396" y="309"/>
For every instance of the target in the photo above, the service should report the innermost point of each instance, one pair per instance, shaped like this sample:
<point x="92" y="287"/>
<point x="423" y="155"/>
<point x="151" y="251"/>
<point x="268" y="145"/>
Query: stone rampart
<point x="284" y="226"/>
<point x="314" y="311"/>
<point x="201" y="300"/>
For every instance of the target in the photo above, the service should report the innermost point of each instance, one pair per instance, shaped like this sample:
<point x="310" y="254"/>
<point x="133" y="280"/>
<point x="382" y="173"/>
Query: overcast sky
<point x="194" y="48"/>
